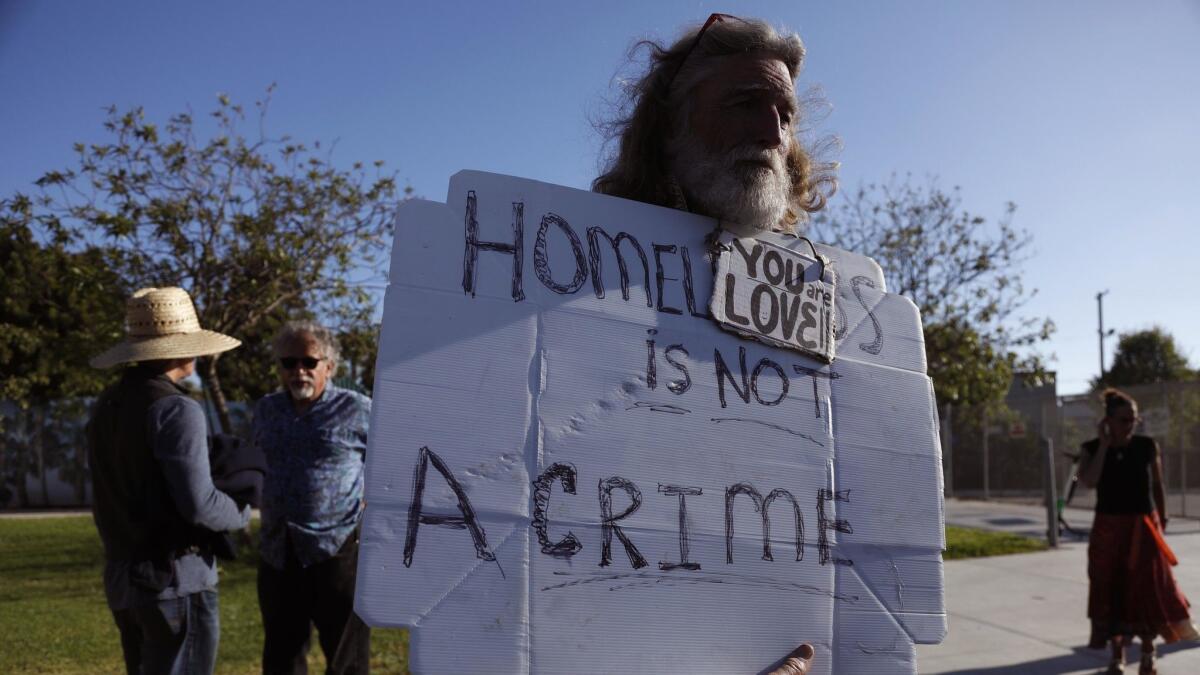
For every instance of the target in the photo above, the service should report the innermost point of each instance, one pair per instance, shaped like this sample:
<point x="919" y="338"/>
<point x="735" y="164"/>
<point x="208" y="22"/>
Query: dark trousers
<point x="177" y="636"/>
<point x="294" y="599"/>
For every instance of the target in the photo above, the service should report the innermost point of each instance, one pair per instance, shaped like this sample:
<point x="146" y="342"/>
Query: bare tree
<point x="963" y="272"/>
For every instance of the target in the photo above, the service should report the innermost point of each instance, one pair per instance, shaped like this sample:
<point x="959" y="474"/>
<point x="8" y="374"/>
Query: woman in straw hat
<point x="153" y="498"/>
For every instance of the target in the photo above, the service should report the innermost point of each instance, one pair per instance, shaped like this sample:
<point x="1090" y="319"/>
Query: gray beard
<point x="302" y="392"/>
<point x="746" y="198"/>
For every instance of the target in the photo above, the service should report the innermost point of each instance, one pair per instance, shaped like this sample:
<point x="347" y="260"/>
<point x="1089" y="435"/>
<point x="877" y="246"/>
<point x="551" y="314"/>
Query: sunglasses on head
<point x="715" y="17"/>
<point x="290" y="362"/>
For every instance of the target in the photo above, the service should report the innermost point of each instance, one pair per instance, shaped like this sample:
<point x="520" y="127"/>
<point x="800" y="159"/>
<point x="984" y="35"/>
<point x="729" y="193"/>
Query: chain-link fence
<point x="986" y="454"/>
<point x="990" y="454"/>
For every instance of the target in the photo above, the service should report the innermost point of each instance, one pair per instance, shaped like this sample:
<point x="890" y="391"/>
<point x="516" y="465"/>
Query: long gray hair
<point x="655" y="108"/>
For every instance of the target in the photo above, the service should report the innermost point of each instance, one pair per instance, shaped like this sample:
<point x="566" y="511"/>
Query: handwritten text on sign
<point x="775" y="295"/>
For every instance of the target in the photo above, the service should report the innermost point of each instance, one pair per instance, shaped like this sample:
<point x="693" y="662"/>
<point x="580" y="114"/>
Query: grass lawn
<point x="966" y="542"/>
<point x="53" y="618"/>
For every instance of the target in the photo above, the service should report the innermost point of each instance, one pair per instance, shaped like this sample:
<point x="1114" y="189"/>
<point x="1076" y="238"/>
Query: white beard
<point x="302" y="391"/>
<point x="746" y="198"/>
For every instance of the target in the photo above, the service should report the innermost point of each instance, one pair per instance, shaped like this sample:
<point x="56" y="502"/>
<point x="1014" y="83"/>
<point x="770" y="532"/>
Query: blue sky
<point x="1082" y="113"/>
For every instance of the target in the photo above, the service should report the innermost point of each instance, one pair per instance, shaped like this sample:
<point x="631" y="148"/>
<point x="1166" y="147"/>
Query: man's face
<point x="731" y="159"/>
<point x="303" y="368"/>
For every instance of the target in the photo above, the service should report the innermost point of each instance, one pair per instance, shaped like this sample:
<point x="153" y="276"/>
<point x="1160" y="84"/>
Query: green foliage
<point x="1151" y="357"/>
<point x="1146" y="357"/>
<point x="56" y="305"/>
<point x="254" y="227"/>
<point x="359" y="340"/>
<point x="54" y="618"/>
<point x="965" y="368"/>
<point x="962" y="273"/>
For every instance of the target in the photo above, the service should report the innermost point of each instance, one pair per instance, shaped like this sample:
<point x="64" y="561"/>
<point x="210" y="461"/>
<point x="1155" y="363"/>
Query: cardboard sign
<point x="573" y="469"/>
<point x="775" y="295"/>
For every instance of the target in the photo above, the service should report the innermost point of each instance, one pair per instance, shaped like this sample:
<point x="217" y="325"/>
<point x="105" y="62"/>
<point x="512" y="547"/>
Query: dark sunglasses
<point x="290" y="362"/>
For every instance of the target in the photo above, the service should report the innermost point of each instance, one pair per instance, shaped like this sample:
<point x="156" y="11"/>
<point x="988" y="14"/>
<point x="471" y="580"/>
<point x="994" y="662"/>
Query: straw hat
<point x="161" y="323"/>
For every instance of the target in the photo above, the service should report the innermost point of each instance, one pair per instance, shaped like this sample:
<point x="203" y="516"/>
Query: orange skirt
<point x="1132" y="590"/>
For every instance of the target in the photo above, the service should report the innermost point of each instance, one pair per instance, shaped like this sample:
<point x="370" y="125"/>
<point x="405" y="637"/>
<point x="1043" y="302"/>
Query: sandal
<point x="1147" y="665"/>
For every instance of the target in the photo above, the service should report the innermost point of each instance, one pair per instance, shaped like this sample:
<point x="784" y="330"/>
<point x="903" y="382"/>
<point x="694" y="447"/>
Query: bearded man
<point x="712" y="128"/>
<point x="314" y="436"/>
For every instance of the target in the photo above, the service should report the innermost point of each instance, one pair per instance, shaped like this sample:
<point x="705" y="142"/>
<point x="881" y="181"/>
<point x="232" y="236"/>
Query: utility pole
<point x="1100" y="330"/>
<point x="948" y="448"/>
<point x="987" y="488"/>
<point x="1051" y="498"/>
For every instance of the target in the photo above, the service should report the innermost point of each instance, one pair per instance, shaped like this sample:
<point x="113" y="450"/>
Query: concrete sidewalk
<point x="1028" y="613"/>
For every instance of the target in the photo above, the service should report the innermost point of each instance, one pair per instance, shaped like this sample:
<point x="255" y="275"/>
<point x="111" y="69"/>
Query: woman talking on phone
<point x="1132" y="591"/>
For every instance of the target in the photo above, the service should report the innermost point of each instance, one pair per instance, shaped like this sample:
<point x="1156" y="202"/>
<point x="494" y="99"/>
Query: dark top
<point x="153" y="498"/>
<point x="1127" y="477"/>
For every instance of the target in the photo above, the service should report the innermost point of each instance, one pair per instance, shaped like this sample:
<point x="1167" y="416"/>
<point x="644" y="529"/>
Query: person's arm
<point x="1160" y="498"/>
<point x="1091" y="465"/>
<point x="181" y="447"/>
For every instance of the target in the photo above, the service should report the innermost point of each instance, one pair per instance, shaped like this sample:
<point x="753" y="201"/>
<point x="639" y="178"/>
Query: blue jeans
<point x="172" y="637"/>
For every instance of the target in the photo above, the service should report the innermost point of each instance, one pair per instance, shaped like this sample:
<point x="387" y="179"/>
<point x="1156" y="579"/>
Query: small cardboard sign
<point x="775" y="294"/>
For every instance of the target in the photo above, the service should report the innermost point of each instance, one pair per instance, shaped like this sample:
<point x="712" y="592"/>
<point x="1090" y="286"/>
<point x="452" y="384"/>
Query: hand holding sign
<point x="798" y="662"/>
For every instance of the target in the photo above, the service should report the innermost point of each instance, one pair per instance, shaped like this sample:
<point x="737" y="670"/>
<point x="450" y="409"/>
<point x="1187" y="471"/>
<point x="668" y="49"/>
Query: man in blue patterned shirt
<point x="314" y="436"/>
